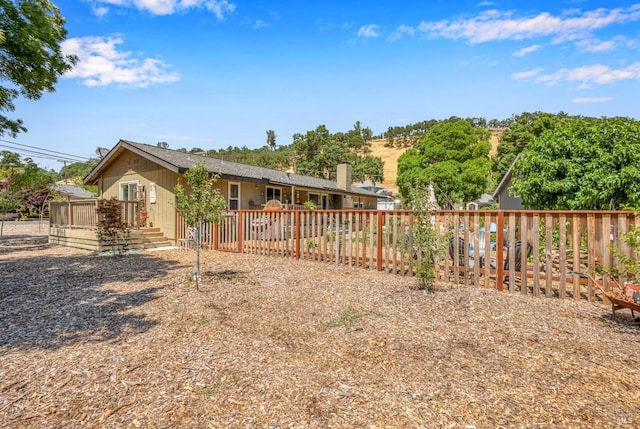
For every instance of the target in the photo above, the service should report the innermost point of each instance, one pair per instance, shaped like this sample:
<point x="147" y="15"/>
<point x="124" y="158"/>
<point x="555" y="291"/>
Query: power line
<point x="42" y="149"/>
<point x="41" y="152"/>
<point x="29" y="153"/>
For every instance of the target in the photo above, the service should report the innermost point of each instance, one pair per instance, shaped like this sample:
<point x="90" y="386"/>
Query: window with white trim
<point x="234" y="196"/>
<point x="128" y="191"/>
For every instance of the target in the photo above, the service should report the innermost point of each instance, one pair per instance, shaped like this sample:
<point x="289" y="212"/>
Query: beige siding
<point x="130" y="167"/>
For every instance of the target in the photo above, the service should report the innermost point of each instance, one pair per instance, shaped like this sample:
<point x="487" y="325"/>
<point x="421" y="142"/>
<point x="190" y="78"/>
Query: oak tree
<point x="31" y="59"/>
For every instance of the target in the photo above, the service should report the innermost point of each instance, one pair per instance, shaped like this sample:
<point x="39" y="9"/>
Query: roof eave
<point x="117" y="150"/>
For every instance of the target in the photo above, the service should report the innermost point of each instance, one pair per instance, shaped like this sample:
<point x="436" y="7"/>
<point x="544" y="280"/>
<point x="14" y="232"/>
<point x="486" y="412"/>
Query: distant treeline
<point x="317" y="152"/>
<point x="408" y="135"/>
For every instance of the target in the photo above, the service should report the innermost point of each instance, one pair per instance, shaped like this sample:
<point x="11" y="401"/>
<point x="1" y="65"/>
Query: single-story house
<point x="505" y="200"/>
<point x="386" y="201"/>
<point x="149" y="174"/>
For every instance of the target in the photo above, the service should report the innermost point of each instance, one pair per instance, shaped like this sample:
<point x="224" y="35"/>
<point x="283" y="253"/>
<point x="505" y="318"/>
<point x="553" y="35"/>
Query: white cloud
<point x="527" y="74"/>
<point x="596" y="74"/>
<point x="596" y="45"/>
<point x="495" y="25"/>
<point x="401" y="32"/>
<point x="524" y="51"/>
<point x="324" y="25"/>
<point x="220" y="8"/>
<point x="592" y="100"/>
<point x="370" y="30"/>
<point x="99" y="11"/>
<point x="101" y="64"/>
<point x="261" y="24"/>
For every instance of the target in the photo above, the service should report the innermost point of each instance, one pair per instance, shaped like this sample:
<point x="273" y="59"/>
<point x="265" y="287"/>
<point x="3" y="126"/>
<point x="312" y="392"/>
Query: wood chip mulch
<point x="128" y="342"/>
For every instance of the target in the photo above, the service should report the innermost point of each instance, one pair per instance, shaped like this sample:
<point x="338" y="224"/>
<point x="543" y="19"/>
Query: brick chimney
<point x="343" y="176"/>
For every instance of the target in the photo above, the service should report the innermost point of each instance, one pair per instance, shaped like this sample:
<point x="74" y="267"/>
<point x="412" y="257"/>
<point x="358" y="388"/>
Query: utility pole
<point x="65" y="169"/>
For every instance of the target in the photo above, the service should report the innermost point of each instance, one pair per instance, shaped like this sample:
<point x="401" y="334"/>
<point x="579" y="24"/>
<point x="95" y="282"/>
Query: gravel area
<point x="100" y="341"/>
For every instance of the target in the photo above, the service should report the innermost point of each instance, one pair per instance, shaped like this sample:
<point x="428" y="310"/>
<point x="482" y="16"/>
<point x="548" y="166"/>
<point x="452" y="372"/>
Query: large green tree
<point x="31" y="60"/>
<point x="453" y="155"/>
<point x="582" y="163"/>
<point x="522" y="129"/>
<point x="317" y="153"/>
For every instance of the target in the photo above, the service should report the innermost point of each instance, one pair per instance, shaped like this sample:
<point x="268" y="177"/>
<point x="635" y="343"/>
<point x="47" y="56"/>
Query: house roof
<point x="73" y="191"/>
<point x="507" y="176"/>
<point x="180" y="162"/>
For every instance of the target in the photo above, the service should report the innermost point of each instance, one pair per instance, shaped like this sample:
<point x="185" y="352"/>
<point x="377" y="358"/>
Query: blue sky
<point x="213" y="74"/>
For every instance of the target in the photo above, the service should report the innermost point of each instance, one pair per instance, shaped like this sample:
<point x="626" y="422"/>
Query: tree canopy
<point x="24" y="187"/>
<point x="76" y="171"/>
<point x="317" y="153"/>
<point x="582" y="163"/>
<point x="453" y="155"/>
<point x="521" y="130"/>
<point x="31" y="59"/>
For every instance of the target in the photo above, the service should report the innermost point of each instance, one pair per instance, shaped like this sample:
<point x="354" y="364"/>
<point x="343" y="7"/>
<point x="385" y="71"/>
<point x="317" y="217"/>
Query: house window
<point x="325" y="202"/>
<point x="128" y="191"/>
<point x="234" y="196"/>
<point x="315" y="199"/>
<point x="274" y="194"/>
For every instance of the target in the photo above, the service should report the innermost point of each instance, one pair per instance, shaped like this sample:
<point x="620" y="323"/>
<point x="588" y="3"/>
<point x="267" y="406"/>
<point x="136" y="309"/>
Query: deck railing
<point x="560" y="244"/>
<point x="83" y="214"/>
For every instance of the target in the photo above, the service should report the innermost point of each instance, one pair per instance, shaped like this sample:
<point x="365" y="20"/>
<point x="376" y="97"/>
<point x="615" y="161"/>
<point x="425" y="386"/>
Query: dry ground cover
<point x="95" y="341"/>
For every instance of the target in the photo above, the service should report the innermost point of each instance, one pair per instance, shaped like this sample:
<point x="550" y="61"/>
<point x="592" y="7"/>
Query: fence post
<point x="379" y="240"/>
<point x="240" y="230"/>
<point x="296" y="229"/>
<point x="500" y="250"/>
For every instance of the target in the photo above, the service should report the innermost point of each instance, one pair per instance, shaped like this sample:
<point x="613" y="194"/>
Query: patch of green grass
<point x="349" y="317"/>
<point x="203" y="322"/>
<point x="208" y="391"/>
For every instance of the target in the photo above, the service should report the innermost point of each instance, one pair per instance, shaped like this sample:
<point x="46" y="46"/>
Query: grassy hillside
<point x="390" y="157"/>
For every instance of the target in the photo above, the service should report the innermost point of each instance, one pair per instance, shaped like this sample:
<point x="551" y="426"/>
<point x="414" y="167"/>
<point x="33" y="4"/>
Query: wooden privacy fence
<point x="529" y="252"/>
<point x="83" y="214"/>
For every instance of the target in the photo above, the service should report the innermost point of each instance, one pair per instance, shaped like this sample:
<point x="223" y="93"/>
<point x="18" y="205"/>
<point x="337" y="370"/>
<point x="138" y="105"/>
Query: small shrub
<point x="112" y="230"/>
<point x="349" y="317"/>
<point x="424" y="236"/>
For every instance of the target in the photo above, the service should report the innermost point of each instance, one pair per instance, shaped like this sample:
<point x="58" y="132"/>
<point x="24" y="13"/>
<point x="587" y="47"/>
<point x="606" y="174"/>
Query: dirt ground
<point x="128" y="342"/>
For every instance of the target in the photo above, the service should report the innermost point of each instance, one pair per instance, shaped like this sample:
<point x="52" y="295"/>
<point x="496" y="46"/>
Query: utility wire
<point x="34" y="154"/>
<point x="41" y="149"/>
<point x="40" y="152"/>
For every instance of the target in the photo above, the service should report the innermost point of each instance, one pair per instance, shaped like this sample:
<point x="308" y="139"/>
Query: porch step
<point x="152" y="238"/>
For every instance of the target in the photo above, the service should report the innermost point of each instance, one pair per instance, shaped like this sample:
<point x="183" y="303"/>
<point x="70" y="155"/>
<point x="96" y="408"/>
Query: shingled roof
<point x="180" y="162"/>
